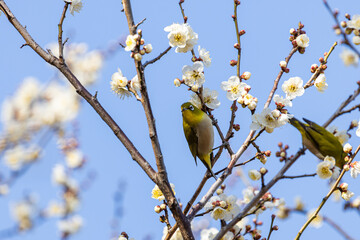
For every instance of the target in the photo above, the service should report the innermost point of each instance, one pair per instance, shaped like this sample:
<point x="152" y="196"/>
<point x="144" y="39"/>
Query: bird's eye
<point x="191" y="107"/>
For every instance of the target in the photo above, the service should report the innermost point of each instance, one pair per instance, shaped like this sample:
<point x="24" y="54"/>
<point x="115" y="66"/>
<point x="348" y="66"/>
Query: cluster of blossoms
<point x="85" y="64"/>
<point x="33" y="108"/>
<point x="352" y="26"/>
<point x="69" y="223"/>
<point x="269" y="119"/>
<point x="237" y="90"/>
<point x="327" y="169"/>
<point x="222" y="207"/>
<point x="299" y="38"/>
<point x="120" y="85"/>
<point x="234" y="233"/>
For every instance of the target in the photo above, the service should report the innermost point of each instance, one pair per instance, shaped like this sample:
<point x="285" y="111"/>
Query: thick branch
<point x="161" y="176"/>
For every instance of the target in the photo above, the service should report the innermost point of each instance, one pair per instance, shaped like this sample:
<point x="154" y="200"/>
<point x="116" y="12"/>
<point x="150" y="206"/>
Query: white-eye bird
<point x="199" y="133"/>
<point x="320" y="141"/>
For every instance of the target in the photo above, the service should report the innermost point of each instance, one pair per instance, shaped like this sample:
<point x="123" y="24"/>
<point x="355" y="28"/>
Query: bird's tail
<point x="207" y="162"/>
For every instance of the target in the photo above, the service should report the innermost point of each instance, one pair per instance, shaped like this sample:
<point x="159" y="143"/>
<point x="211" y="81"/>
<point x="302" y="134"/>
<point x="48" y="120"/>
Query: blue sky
<point x="264" y="45"/>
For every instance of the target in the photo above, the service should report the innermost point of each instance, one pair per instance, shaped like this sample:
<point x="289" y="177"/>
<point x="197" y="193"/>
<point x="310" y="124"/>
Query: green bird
<point x="320" y="141"/>
<point x="199" y="134"/>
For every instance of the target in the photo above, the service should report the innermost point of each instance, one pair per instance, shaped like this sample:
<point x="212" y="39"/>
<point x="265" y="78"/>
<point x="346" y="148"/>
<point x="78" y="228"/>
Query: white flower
<point x="269" y="119"/>
<point x="131" y="42"/>
<point x="302" y="40"/>
<point x="209" y="98"/>
<point x="324" y="169"/>
<point x="135" y="83"/>
<point x="317" y="221"/>
<point x="22" y="211"/>
<point x="55" y="209"/>
<point x="282" y="102"/>
<point x="118" y="84"/>
<point x="181" y="36"/>
<point x="233" y="87"/>
<point x="59" y="175"/>
<point x="254" y="175"/>
<point x="75" y="6"/>
<point x="193" y="76"/>
<point x="320" y="83"/>
<point x="249" y="193"/>
<point x="209" y="234"/>
<point x="223" y="207"/>
<point x="70" y="225"/>
<point x="157" y="194"/>
<point x="349" y="57"/>
<point x="354" y="22"/>
<point x="355" y="169"/>
<point x="15" y="157"/>
<point x="176" y="236"/>
<point x="74" y="158"/>
<point x="346" y="195"/>
<point x="293" y="87"/>
<point x="356" y="40"/>
<point x="205" y="56"/>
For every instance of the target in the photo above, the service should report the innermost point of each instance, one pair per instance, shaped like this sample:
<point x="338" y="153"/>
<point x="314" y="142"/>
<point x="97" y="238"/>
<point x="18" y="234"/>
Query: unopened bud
<point x="268" y="153"/>
<point x="263" y="171"/>
<point x="347" y="16"/>
<point x="142" y="41"/>
<point x="163" y="206"/>
<point x="219" y="191"/>
<point x="283" y="64"/>
<point x="337" y="31"/>
<point x="275" y="228"/>
<point x="343" y="187"/>
<point x="236" y="127"/>
<point x="346" y="167"/>
<point x="177" y="82"/>
<point x="282" y="154"/>
<point x="194" y="88"/>
<point x="348" y="31"/>
<point x="246" y="75"/>
<point x="237" y="45"/>
<point x="139" y="31"/>
<point x="157" y="209"/>
<point x="233" y="62"/>
<point x="321" y="59"/>
<point x="185" y="19"/>
<point x="343" y="24"/>
<point x="233" y="17"/>
<point x="142" y="52"/>
<point x="148" y="48"/>
<point x="242" y="32"/>
<point x="137" y="57"/>
<point x="292" y="31"/>
<point x="347" y="148"/>
<point x="237" y="2"/>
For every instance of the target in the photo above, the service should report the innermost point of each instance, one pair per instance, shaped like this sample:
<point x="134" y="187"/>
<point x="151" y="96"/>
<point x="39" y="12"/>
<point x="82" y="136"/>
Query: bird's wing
<point x="327" y="143"/>
<point x="192" y="139"/>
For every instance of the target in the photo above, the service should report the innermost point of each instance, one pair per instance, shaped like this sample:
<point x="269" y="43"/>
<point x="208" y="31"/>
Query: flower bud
<point x="268" y="153"/>
<point x="337" y="31"/>
<point x="233" y="63"/>
<point x="237" y="45"/>
<point x="194" y="88"/>
<point x="343" y="187"/>
<point x="346" y="167"/>
<point x="347" y="148"/>
<point x="223" y="204"/>
<point x="219" y="191"/>
<point x="163" y="206"/>
<point x="157" y="209"/>
<point x="263" y="171"/>
<point x="246" y="75"/>
<point x="142" y="51"/>
<point x="177" y="82"/>
<point x="343" y="24"/>
<point x="283" y="64"/>
<point x="242" y="32"/>
<point x="142" y="41"/>
<point x="137" y="57"/>
<point x="348" y="31"/>
<point x="292" y="31"/>
<point x="148" y="48"/>
<point x="139" y="31"/>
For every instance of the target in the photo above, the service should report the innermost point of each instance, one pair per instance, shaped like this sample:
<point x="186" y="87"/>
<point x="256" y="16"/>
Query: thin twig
<point x="345" y="40"/>
<point x="271" y="226"/>
<point x="157" y="58"/>
<point x="333" y="188"/>
<point x="320" y="68"/>
<point x="235" y="18"/>
<point x="276" y="82"/>
<point x="61" y="44"/>
<point x="299" y="176"/>
<point x="138" y="24"/>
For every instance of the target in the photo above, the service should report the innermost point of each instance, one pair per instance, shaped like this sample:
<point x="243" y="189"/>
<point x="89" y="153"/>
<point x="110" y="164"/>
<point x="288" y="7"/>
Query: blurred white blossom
<point x="349" y="57"/>
<point x="205" y="56"/>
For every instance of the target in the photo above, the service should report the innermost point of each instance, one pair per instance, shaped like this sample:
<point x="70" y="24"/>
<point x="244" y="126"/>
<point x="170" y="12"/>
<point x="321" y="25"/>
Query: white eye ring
<point x="191" y="107"/>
